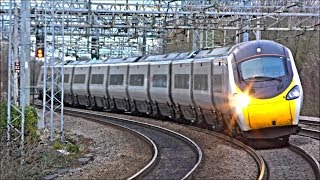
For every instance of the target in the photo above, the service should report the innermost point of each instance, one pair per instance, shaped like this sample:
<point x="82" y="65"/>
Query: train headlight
<point x="294" y="93"/>
<point x="241" y="100"/>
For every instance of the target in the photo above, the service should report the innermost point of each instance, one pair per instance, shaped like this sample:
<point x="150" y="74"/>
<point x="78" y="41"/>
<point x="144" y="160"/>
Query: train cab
<point x="267" y="90"/>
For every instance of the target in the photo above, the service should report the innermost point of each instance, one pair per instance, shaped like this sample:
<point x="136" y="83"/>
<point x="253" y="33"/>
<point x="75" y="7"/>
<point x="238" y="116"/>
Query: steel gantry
<point x="15" y="34"/>
<point x="52" y="19"/>
<point x="127" y="28"/>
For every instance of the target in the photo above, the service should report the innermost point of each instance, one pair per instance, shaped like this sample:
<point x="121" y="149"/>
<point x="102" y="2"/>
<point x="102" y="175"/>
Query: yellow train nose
<point x="270" y="114"/>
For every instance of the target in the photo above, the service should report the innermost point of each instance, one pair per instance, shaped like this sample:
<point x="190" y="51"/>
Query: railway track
<point x="290" y="162"/>
<point x="257" y="158"/>
<point x="100" y="117"/>
<point x="174" y="155"/>
<point x="262" y="171"/>
<point x="310" y="127"/>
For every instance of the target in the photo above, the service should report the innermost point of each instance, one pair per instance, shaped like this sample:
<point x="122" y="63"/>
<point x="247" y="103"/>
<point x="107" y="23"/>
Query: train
<point x="251" y="89"/>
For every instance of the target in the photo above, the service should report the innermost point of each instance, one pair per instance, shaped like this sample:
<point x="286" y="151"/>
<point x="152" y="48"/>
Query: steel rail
<point x="312" y="122"/>
<point x="183" y="137"/>
<point x="143" y="137"/>
<point x="257" y="158"/>
<point x="310" y="159"/>
<point x="310" y="133"/>
<point x="147" y="169"/>
<point x="150" y="143"/>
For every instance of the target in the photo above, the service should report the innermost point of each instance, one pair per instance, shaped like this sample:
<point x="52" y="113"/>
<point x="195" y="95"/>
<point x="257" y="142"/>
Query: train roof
<point x="162" y="57"/>
<point x="250" y="48"/>
<point x="222" y="51"/>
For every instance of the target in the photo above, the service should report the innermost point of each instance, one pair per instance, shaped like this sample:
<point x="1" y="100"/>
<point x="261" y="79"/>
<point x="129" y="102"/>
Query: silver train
<point x="250" y="89"/>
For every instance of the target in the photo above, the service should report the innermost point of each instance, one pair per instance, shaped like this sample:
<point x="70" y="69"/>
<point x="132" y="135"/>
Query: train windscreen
<point x="263" y="68"/>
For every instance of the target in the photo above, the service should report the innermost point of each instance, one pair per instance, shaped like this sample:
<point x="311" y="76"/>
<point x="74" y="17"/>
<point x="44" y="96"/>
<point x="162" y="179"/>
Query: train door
<point x="220" y="86"/>
<point x="225" y="86"/>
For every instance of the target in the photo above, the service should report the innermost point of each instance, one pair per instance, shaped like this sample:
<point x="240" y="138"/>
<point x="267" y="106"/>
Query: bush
<point x="3" y="115"/>
<point x="57" y="145"/>
<point x="72" y="148"/>
<point x="31" y="119"/>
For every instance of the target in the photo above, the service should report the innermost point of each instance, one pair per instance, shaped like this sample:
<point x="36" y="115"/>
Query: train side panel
<point x="138" y="87"/>
<point x="48" y="81"/>
<point x="202" y="83"/>
<point x="181" y="89"/>
<point x="117" y="87"/>
<point x="80" y="85"/>
<point x="67" y="84"/>
<point x="221" y="85"/>
<point x="202" y="91"/>
<point x="295" y="104"/>
<point x="98" y="85"/>
<point x="160" y="88"/>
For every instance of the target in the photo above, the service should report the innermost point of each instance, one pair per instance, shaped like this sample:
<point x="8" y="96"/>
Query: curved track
<point x="290" y="163"/>
<point x="310" y="127"/>
<point x="262" y="170"/>
<point x="175" y="156"/>
<point x="255" y="155"/>
<point x="310" y="133"/>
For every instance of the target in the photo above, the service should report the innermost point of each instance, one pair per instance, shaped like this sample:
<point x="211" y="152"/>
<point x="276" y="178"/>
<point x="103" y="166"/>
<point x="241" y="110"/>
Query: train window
<point x="79" y="79"/>
<point x="159" y="80"/>
<point x="181" y="81"/>
<point x="217" y="82"/>
<point x="200" y="82"/>
<point x="97" y="78"/>
<point x="136" y="80"/>
<point x="116" y="79"/>
<point x="66" y="78"/>
<point x="262" y="68"/>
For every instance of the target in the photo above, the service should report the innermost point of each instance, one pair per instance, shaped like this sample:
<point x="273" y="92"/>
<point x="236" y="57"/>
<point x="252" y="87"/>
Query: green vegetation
<point x="72" y="148"/>
<point x="31" y="119"/>
<point x="57" y="145"/>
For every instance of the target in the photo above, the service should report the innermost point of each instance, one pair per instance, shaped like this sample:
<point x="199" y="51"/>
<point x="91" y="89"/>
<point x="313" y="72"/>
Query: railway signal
<point x="39" y="42"/>
<point x="40" y="52"/>
<point x="94" y="48"/>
